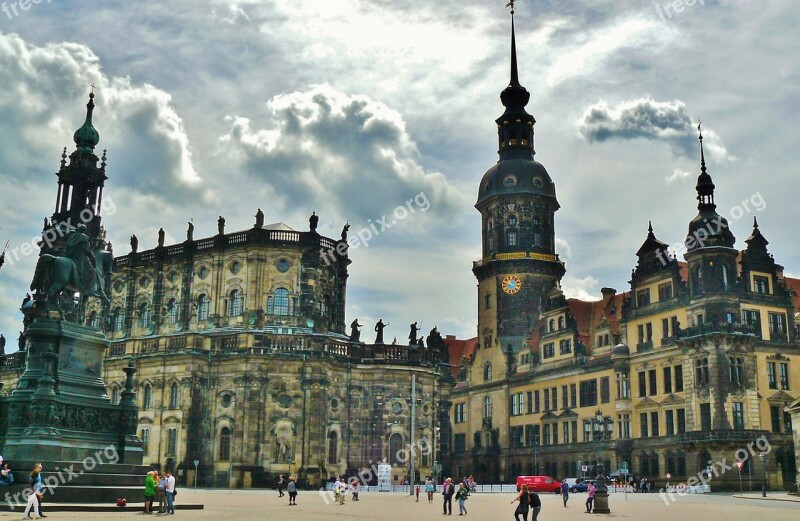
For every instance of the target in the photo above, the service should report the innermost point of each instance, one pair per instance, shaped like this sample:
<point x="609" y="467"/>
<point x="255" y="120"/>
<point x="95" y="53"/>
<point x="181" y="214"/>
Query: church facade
<point x="695" y="362"/>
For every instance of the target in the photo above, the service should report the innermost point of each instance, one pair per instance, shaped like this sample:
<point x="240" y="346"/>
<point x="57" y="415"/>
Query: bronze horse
<point x="55" y="274"/>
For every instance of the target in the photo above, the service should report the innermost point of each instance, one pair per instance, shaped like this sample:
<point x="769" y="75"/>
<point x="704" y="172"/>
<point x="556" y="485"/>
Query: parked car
<point x="582" y="485"/>
<point x="544" y="484"/>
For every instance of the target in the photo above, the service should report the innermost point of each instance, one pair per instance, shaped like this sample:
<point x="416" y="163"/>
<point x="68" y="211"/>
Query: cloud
<point x="348" y="155"/>
<point x="678" y="175"/>
<point x="665" y="121"/>
<point x="582" y="289"/>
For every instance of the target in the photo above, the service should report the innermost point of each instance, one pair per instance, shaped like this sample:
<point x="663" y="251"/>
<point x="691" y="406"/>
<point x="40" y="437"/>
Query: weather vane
<point x="511" y="5"/>
<point x="699" y="124"/>
<point x="92" y="86"/>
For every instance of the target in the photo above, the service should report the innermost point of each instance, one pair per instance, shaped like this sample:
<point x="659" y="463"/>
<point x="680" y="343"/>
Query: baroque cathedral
<point x="697" y="359"/>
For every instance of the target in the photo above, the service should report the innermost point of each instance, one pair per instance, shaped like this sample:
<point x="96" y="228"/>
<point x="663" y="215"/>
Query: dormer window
<point x="510" y="181"/>
<point x="761" y="284"/>
<point x="512" y="221"/>
<point x="537" y="182"/>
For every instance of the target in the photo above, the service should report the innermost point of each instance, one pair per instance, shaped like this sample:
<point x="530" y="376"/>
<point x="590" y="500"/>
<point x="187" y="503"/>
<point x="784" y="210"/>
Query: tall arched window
<point x="202" y="307"/>
<point x="94" y="320"/>
<point x="172" y="309"/>
<point x="144" y="315"/>
<point x="173" y="396"/>
<point x="147" y="400"/>
<point x="560" y="322"/>
<point x="225" y="444"/>
<point x="487" y="407"/>
<point x="552" y="325"/>
<point x="118" y="319"/>
<point x="115" y="396"/>
<point x="333" y="448"/>
<point x="172" y="441"/>
<point x="487" y="371"/>
<point x="235" y="305"/>
<point x="279" y="303"/>
<point x="396" y="456"/>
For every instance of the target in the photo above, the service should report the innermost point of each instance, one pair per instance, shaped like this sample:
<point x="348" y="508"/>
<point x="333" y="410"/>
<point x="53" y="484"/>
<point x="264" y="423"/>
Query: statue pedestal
<point x="60" y="410"/>
<point x="601" y="503"/>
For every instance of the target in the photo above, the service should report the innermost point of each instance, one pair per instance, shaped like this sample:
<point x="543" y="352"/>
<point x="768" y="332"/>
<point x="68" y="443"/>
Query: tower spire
<point x="87" y="137"/>
<point x="705" y="186"/>
<point x="514" y="76"/>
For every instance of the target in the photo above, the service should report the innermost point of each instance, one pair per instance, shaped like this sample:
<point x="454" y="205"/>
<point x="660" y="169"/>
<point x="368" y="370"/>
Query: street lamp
<point x="601" y="489"/>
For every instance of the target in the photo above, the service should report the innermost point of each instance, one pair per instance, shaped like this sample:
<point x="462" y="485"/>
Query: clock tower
<point x="517" y="202"/>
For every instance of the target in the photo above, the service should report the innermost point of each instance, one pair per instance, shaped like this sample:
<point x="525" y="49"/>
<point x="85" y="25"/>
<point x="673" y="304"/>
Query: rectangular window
<point x="651" y="374"/>
<point x="643" y="425"/>
<point x="664" y="291"/>
<point x="588" y="389"/>
<point x="549" y="350"/>
<point x="575" y="431"/>
<point x="664" y="328"/>
<point x="787" y="422"/>
<point x="623" y="386"/>
<point x="642" y="384"/>
<point x="512" y="238"/>
<point x="649" y="330"/>
<point x="547" y="400"/>
<point x="460" y="442"/>
<point x="461" y="412"/>
<point x="546" y="434"/>
<point x="587" y="431"/>
<point x="517" y="435"/>
<point x="624" y="426"/>
<point x="564" y="395"/>
<point x="667" y="380"/>
<point x="565" y="346"/>
<point x="738" y="416"/>
<point x="536" y="408"/>
<point x="531" y="435"/>
<point x="605" y="390"/>
<point x="705" y="416"/>
<point x="654" y="423"/>
<point x="642" y="297"/>
<point x="772" y="379"/>
<point x="681" y="421"/>
<point x="670" y="422"/>
<point x="530" y="402"/>
<point x="565" y="432"/>
<point x="784" y="376"/>
<point x="554" y="396"/>
<point x="775" y="416"/>
<point x="145" y="441"/>
<point x="777" y="326"/>
<point x="640" y="331"/>
<point x="678" y="378"/>
<point x="515" y="405"/>
<point x="573" y="395"/>
<point x="760" y="284"/>
<point x="172" y="442"/>
<point x="555" y="433"/>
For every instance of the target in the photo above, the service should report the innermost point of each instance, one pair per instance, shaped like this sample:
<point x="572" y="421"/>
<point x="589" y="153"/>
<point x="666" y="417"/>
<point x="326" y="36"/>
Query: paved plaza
<point x="494" y="507"/>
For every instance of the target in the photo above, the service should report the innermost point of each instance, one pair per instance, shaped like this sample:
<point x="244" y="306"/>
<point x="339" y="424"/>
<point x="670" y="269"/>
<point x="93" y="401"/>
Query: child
<point x="417" y="492"/>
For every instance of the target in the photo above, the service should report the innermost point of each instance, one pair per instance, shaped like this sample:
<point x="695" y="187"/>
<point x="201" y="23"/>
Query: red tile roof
<point x="456" y="349"/>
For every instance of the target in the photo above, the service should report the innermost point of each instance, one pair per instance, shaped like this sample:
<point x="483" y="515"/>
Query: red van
<point x="544" y="484"/>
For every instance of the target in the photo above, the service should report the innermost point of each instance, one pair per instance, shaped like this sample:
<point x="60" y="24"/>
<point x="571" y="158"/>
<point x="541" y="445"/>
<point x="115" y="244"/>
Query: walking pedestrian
<point x="461" y="497"/>
<point x="429" y="488"/>
<point x="417" y="491"/>
<point x="448" y="490"/>
<point x="590" y="498"/>
<point x="170" y="490"/>
<point x="355" y="484"/>
<point x="565" y="492"/>
<point x="536" y="505"/>
<point x="522" y="508"/>
<point x="292" y="487"/>
<point x="36" y="491"/>
<point x="280" y="485"/>
<point x="342" y="490"/>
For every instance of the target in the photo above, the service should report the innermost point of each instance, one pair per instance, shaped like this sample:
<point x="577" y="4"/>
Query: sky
<point x="354" y="108"/>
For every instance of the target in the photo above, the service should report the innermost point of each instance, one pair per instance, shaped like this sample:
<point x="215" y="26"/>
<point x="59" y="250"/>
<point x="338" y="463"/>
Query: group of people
<point x="528" y="500"/>
<point x="449" y="491"/>
<point x="340" y="488"/>
<point x="291" y="487"/>
<point x="161" y="487"/>
<point x="590" y="493"/>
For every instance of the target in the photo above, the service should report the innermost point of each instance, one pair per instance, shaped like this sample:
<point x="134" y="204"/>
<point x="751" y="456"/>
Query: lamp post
<point x="763" y="474"/>
<point x="601" y="489"/>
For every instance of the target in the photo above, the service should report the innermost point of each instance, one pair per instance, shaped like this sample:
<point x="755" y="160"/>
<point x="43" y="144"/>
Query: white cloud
<point x="678" y="175"/>
<point x="583" y="289"/>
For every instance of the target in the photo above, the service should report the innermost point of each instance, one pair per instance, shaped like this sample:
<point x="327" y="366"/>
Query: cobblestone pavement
<point x="221" y="505"/>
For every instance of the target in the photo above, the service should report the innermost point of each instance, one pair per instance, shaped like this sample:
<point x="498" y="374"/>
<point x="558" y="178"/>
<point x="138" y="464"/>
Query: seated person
<point x="6" y="477"/>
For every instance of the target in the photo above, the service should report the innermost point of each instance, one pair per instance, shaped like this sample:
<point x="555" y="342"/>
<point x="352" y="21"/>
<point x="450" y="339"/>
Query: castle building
<point x="696" y="360"/>
<point x="243" y="368"/>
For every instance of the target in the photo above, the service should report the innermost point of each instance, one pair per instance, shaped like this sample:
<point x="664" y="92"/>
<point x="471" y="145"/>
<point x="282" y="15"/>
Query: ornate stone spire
<point x="705" y="186"/>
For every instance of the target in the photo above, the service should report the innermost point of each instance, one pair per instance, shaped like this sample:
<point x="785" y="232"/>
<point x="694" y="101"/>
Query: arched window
<point x="512" y="221"/>
<point x="487" y="407"/>
<point x="172" y="441"/>
<point x="333" y="448"/>
<point x="396" y="456"/>
<point x="115" y="396"/>
<point x="235" y="305"/>
<point x="279" y="303"/>
<point x="172" y="309"/>
<point x="173" y="396"/>
<point x="145" y="437"/>
<point x="552" y="325"/>
<point x="202" y="307"/>
<point x="487" y="372"/>
<point x="736" y="371"/>
<point x="118" y="319"/>
<point x="94" y="320"/>
<point x="560" y="322"/>
<point x="724" y="277"/>
<point x="144" y="315"/>
<point x="225" y="444"/>
<point x="147" y="399"/>
<point x="701" y="372"/>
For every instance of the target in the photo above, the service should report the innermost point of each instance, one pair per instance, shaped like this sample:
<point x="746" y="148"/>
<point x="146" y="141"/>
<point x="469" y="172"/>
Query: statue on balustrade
<point x="259" y="219"/>
<point x="412" y="335"/>
<point x="379" y="327"/>
<point x="355" y="332"/>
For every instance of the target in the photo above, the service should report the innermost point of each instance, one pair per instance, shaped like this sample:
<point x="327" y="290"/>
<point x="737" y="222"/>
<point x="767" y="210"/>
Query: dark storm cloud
<point x="665" y="121"/>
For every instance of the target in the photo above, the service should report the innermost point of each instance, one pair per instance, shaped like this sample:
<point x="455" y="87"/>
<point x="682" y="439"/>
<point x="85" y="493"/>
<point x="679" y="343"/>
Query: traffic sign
<point x="739" y="464"/>
<point x="585" y="468"/>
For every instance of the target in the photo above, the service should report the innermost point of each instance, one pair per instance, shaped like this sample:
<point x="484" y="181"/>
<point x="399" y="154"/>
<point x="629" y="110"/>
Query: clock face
<point x="511" y="284"/>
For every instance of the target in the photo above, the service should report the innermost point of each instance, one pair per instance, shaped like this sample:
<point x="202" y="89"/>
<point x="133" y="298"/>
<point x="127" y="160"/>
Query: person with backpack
<point x="461" y="497"/>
